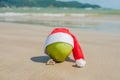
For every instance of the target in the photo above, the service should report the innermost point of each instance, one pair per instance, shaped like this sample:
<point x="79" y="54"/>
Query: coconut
<point x="59" y="51"/>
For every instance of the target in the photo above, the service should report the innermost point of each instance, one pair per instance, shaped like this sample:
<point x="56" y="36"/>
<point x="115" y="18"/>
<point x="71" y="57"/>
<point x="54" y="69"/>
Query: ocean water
<point x="108" y="20"/>
<point x="108" y="27"/>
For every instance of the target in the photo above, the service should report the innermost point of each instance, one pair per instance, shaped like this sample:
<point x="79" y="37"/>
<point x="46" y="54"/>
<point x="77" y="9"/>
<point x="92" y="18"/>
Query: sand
<point x="22" y="56"/>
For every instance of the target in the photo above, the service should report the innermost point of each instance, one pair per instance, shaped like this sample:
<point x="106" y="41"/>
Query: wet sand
<point x="22" y="56"/>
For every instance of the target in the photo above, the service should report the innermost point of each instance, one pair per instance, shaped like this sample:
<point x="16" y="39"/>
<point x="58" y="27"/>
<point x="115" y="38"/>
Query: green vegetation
<point x="45" y="3"/>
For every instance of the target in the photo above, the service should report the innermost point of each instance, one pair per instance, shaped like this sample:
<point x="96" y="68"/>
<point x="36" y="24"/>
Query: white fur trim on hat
<point x="59" y="37"/>
<point x="80" y="62"/>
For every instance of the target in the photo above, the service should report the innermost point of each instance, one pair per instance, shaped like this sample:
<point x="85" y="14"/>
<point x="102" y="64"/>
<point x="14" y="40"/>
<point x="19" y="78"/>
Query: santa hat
<point x="64" y="35"/>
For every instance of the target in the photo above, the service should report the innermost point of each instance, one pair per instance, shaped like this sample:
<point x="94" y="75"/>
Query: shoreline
<point x="81" y="28"/>
<point x="103" y="23"/>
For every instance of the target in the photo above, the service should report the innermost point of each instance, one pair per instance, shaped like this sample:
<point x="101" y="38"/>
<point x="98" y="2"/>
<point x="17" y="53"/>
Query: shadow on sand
<point x="41" y="59"/>
<point x="44" y="59"/>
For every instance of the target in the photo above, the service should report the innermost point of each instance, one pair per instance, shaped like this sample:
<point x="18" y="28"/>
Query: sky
<point x="114" y="4"/>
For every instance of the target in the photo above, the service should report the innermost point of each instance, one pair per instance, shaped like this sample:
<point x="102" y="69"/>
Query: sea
<point x="101" y="20"/>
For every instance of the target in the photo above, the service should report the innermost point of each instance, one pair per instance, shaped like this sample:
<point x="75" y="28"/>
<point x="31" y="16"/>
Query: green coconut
<point x="59" y="51"/>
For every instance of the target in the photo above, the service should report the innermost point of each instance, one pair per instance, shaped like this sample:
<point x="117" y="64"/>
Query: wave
<point x="42" y="14"/>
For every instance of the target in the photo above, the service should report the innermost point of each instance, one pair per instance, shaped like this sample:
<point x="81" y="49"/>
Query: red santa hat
<point x="64" y="35"/>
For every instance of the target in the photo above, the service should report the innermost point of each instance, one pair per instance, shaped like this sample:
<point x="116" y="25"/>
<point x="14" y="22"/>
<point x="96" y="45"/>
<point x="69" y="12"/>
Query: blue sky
<point x="115" y="4"/>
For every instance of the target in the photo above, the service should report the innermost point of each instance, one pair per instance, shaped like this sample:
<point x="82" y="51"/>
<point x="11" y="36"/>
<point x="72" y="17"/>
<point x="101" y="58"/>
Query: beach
<point x="22" y="56"/>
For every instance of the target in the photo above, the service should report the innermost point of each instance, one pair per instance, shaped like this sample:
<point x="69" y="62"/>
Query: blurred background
<point x="93" y="15"/>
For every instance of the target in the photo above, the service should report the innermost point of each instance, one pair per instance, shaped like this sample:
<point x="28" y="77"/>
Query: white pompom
<point x="80" y="63"/>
